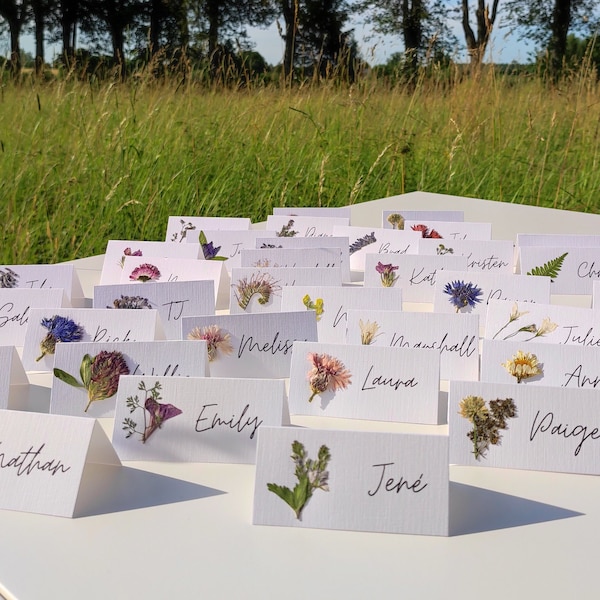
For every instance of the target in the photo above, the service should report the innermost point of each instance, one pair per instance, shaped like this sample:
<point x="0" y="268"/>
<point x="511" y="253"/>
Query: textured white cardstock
<point x="42" y="460"/>
<point x="573" y="270"/>
<point x="455" y="337"/>
<point x="304" y="225"/>
<point x="13" y="379"/>
<point x="195" y="419"/>
<point x="291" y="258"/>
<point x="495" y="256"/>
<point x="118" y="250"/>
<point x="15" y="307"/>
<point x="313" y="211"/>
<point x="255" y="346"/>
<point x="178" y="228"/>
<point x="414" y="274"/>
<point x="173" y="300"/>
<point x="553" y="429"/>
<point x="258" y="290"/>
<point x="596" y="296"/>
<point x="558" y="365"/>
<point x="542" y="323"/>
<point x="558" y="240"/>
<point x="450" y="290"/>
<point x="70" y="394"/>
<point x="364" y="240"/>
<point x="366" y="481"/>
<point x="41" y="277"/>
<point x="97" y="325"/>
<point x="450" y="231"/>
<point x="371" y="382"/>
<point x="395" y="219"/>
<point x="331" y="305"/>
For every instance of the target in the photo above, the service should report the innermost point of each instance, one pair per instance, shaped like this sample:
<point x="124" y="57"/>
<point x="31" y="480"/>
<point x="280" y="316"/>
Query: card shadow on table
<point x="106" y="489"/>
<point x="475" y="510"/>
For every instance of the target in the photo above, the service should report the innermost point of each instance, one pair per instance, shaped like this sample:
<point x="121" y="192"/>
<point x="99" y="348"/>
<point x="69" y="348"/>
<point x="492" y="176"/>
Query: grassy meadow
<point x="81" y="163"/>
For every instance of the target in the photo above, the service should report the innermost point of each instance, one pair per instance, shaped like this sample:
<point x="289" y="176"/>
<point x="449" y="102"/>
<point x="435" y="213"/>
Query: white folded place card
<point x="178" y="228"/>
<point x="448" y="230"/>
<point x="173" y="300"/>
<point x="331" y="305"/>
<point x="352" y="480"/>
<point x="521" y="427"/>
<point x="86" y="375"/>
<point x="572" y="270"/>
<point x="49" y="329"/>
<point x="364" y="240"/>
<point x="253" y="345"/>
<point x="395" y="219"/>
<point x="13" y="379"/>
<point x="313" y="211"/>
<point x="195" y="419"/>
<point x="61" y="276"/>
<point x="43" y="457"/>
<point x="542" y="323"/>
<point x="495" y="256"/>
<point x="118" y="250"/>
<point x="558" y="240"/>
<point x="554" y="365"/>
<point x="365" y="382"/>
<point x="455" y="337"/>
<point x="291" y="258"/>
<point x="304" y="225"/>
<point x="15" y="306"/>
<point x="414" y="274"/>
<point x="258" y="290"/>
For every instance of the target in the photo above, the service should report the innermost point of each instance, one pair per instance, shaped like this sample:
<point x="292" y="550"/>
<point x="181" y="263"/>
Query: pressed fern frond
<point x="551" y="268"/>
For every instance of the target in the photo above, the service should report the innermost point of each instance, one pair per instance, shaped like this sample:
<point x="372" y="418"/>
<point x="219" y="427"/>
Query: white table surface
<point x="164" y="530"/>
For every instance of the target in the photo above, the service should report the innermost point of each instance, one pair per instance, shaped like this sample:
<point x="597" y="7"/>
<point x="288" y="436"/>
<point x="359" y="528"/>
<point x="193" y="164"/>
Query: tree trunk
<point x="412" y="32"/>
<point x="559" y="29"/>
<point x="476" y="46"/>
<point x="15" y="47"/>
<point x="290" y="17"/>
<point x="39" y="43"/>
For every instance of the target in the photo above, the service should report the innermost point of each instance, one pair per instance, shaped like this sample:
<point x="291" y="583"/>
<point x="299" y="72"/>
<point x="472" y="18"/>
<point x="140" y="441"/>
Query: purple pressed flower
<point x="145" y="272"/>
<point x="210" y="251"/>
<point x="104" y="372"/>
<point x="131" y="302"/>
<point x="388" y="277"/>
<point x="60" y="329"/>
<point x="159" y="413"/>
<point x="128" y="252"/>
<point x="463" y="294"/>
<point x="8" y="278"/>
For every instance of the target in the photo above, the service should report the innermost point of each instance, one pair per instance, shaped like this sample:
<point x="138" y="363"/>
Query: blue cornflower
<point x="209" y="251"/>
<point x="60" y="329"/>
<point x="463" y="294"/>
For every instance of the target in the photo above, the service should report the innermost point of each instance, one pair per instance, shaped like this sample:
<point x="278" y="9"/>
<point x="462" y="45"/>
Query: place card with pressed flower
<point x="449" y="230"/>
<point x="251" y="345"/>
<point x="118" y="250"/>
<point x="43" y="460"/>
<point x="49" y="328"/>
<point x="259" y="289"/>
<point x="86" y="375"/>
<point x="334" y="303"/>
<point x="396" y="219"/>
<point x="293" y="258"/>
<point x="304" y="225"/>
<point x="365" y="382"/>
<point x="537" y="363"/>
<point x="494" y="256"/>
<point x="173" y="300"/>
<point x="365" y="240"/>
<point x="61" y="276"/>
<point x="414" y="274"/>
<point x="15" y="307"/>
<point x="378" y="481"/>
<point x="195" y="419"/>
<point x="14" y="384"/>
<point x="524" y="427"/>
<point x="456" y="338"/>
<point x="178" y="227"/>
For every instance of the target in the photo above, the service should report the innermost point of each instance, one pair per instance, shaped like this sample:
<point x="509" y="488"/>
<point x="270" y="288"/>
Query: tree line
<point x="315" y="33"/>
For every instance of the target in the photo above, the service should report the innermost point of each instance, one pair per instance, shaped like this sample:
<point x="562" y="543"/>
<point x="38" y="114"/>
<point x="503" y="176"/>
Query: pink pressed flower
<point x="425" y="232"/>
<point x="159" y="413"/>
<point x="327" y="373"/>
<point x="145" y="272"/>
<point x="216" y="340"/>
<point x="128" y="252"/>
<point x="388" y="277"/>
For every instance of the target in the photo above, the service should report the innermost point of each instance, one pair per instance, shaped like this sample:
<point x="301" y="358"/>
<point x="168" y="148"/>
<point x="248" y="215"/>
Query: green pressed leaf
<point x="219" y="258"/>
<point x="283" y="492"/>
<point x="551" y="268"/>
<point x="85" y="370"/>
<point x="64" y="376"/>
<point x="202" y="238"/>
<point x="302" y="493"/>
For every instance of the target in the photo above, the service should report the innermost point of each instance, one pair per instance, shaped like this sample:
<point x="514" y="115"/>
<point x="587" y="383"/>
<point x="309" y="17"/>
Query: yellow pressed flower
<point x="523" y="365"/>
<point x="368" y="332"/>
<point x="473" y="407"/>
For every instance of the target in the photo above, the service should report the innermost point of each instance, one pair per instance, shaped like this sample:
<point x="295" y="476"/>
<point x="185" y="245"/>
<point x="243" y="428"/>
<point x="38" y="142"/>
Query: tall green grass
<point x="81" y="163"/>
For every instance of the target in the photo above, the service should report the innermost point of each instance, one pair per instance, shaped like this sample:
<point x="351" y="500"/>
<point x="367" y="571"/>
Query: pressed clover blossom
<point x="463" y="294"/>
<point x="216" y="340"/>
<point x="523" y="365"/>
<point x="60" y="329"/>
<point x="327" y="373"/>
<point x="388" y="277"/>
<point x="145" y="272"/>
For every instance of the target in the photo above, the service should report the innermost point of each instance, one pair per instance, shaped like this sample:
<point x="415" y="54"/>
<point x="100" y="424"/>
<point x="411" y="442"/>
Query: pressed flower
<point x="523" y="365"/>
<point x="547" y="326"/>
<point x="473" y="407"/>
<point x="129" y="252"/>
<point x="426" y="232"/>
<point x="8" y="278"/>
<point x="60" y="329"/>
<point x="463" y="294"/>
<point x="216" y="340"/>
<point x="327" y="373"/>
<point x="368" y="332"/>
<point x="317" y="305"/>
<point x="159" y="413"/>
<point x="262" y="284"/>
<point x="386" y="272"/>
<point x="396" y="220"/>
<point x="131" y="302"/>
<point x="365" y="240"/>
<point x="208" y="249"/>
<point x="286" y="230"/>
<point x="145" y="272"/>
